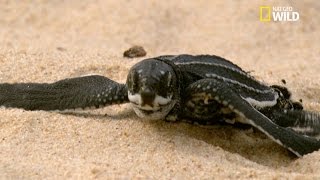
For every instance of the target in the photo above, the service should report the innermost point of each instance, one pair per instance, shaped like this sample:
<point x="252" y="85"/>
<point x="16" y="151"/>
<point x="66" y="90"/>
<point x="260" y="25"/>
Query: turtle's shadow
<point x="245" y="141"/>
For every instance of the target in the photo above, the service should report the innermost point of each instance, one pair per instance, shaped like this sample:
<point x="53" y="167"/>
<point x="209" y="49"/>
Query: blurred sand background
<point x="45" y="41"/>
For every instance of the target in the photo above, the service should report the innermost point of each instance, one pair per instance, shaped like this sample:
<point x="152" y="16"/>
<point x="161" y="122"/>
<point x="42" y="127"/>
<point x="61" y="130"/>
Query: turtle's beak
<point x="149" y="105"/>
<point x="148" y="98"/>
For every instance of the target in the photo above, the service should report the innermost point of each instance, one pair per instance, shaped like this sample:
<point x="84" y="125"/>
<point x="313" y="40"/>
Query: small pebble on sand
<point x="135" y="51"/>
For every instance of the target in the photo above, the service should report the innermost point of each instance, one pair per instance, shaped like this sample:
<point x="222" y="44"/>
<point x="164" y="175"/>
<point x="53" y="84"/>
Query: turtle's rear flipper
<point x="303" y="122"/>
<point x="226" y="95"/>
<point x="81" y="92"/>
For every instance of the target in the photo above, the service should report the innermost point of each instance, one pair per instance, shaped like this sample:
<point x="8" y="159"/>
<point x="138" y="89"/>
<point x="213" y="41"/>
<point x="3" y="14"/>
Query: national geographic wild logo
<point x="278" y="13"/>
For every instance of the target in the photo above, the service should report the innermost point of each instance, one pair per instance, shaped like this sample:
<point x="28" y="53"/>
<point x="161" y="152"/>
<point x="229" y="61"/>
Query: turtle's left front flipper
<point x="303" y="122"/>
<point x="226" y="94"/>
<point x="81" y="92"/>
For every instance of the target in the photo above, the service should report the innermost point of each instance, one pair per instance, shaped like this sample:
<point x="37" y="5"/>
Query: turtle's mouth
<point x="156" y="108"/>
<point x="148" y="112"/>
<point x="156" y="113"/>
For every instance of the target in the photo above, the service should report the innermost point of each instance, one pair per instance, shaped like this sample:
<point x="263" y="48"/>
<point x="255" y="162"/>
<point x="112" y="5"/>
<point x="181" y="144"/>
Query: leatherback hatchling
<point x="202" y="88"/>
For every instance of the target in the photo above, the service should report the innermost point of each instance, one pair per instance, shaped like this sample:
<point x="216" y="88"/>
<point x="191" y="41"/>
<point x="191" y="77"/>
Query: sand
<point x="45" y="41"/>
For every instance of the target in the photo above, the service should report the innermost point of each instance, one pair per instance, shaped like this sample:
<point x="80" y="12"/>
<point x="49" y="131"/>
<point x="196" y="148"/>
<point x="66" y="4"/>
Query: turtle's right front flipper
<point x="81" y="92"/>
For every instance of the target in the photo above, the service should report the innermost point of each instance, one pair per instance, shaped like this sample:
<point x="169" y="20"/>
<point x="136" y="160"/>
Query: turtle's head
<point x="152" y="88"/>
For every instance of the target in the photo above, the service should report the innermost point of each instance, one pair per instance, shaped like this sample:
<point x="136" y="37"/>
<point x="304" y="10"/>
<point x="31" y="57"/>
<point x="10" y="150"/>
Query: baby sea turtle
<point x="203" y="88"/>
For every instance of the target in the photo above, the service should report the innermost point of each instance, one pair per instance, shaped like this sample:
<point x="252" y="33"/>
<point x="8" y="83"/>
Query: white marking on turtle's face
<point x="158" y="100"/>
<point x="161" y="100"/>
<point x="159" y="110"/>
<point x="134" y="98"/>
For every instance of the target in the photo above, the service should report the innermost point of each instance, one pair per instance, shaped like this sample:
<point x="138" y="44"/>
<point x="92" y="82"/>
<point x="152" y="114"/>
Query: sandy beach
<point x="45" y="41"/>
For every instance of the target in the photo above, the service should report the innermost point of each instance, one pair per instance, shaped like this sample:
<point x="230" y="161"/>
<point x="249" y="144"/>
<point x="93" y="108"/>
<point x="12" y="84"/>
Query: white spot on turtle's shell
<point x="162" y="72"/>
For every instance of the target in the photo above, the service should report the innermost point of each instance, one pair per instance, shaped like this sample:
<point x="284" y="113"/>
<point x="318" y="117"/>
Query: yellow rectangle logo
<point x="265" y="13"/>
